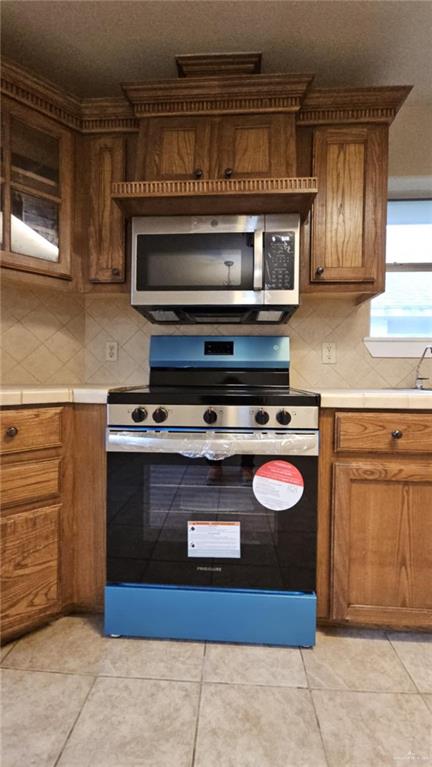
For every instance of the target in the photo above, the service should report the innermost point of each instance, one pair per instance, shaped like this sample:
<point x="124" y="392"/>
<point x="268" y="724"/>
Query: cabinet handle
<point x="115" y="272"/>
<point x="11" y="431"/>
<point x="228" y="172"/>
<point x="319" y="271"/>
<point x="198" y="173"/>
<point x="397" y="434"/>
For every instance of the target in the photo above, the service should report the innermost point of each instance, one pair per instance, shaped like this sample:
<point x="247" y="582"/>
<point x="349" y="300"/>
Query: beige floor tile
<point x="428" y="700"/>
<point x="371" y="729"/>
<point x="244" y="726"/>
<point x="415" y="652"/>
<point x="5" y="649"/>
<point x="355" y="660"/>
<point x="243" y="664"/>
<point x="38" y="710"/>
<point x="76" y="645"/>
<point x="135" y="723"/>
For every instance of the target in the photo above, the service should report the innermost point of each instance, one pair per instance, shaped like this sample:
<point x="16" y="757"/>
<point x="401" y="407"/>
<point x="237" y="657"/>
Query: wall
<point x="50" y="336"/>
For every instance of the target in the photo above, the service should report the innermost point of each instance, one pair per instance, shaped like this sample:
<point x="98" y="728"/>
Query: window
<point x="405" y="309"/>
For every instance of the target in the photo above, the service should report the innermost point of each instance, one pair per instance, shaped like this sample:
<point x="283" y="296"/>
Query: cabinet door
<point x="349" y="212"/>
<point x="382" y="557"/>
<point x="177" y="148"/>
<point x="29" y="568"/>
<point x="37" y="173"/>
<point x="254" y="146"/>
<point x="106" y="225"/>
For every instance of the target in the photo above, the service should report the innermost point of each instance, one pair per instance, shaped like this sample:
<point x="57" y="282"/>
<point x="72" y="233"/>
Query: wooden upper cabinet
<point x="254" y="146"/>
<point x="175" y="148"/>
<point x="106" y="229"/>
<point x="349" y="212"/>
<point x="382" y="528"/>
<point x="36" y="175"/>
<point x="231" y="146"/>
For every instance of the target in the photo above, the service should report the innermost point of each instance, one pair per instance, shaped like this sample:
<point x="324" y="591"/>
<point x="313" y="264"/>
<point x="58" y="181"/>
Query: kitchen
<point x="154" y="133"/>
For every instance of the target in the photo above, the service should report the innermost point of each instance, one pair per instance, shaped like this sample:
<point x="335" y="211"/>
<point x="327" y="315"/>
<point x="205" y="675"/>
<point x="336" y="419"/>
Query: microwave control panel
<point x="279" y="260"/>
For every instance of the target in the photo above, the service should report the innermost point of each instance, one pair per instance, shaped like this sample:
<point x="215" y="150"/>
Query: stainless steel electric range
<point x="212" y="496"/>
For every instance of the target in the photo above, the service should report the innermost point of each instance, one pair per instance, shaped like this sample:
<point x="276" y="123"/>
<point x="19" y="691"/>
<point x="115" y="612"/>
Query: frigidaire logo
<point x="210" y="569"/>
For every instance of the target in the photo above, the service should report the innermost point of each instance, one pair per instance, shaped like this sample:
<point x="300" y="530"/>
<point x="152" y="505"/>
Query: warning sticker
<point x="214" y="539"/>
<point x="278" y="485"/>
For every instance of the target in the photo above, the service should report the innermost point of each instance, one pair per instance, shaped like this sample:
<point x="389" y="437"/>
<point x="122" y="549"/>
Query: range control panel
<point x="279" y="260"/>
<point x="214" y="416"/>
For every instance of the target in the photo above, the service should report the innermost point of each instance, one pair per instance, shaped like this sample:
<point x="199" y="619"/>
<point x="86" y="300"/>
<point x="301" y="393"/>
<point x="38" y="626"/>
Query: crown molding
<point x="211" y="64"/>
<point x="228" y="94"/>
<point x="85" y="115"/>
<point x="352" y="105"/>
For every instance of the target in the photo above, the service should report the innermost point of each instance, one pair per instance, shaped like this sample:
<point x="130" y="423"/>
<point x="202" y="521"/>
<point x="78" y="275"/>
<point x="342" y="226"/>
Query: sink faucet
<point x="419" y="379"/>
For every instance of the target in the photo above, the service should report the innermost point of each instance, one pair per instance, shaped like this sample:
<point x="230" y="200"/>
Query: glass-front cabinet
<point x="36" y="192"/>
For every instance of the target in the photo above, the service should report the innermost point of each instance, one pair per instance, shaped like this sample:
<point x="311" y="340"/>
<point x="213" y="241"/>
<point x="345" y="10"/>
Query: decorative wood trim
<point x="232" y="94"/>
<point x="108" y="114"/>
<point x="214" y="186"/>
<point x="208" y="64"/>
<point x="85" y="115"/>
<point x="352" y="105"/>
<point x="40" y="94"/>
<point x="217" y="195"/>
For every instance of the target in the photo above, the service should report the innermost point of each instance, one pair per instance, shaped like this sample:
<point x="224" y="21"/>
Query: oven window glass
<point x="195" y="262"/>
<point x="154" y="498"/>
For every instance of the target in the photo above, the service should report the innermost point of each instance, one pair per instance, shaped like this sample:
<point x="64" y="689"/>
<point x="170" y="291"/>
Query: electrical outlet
<point x="328" y="353"/>
<point x="111" y="351"/>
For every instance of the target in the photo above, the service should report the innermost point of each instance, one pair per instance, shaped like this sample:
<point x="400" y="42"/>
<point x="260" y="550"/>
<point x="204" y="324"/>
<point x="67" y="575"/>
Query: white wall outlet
<point x="111" y="351"/>
<point x="328" y="353"/>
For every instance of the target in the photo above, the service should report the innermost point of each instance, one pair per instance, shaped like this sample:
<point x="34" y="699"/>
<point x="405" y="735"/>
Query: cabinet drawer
<point x="30" y="481"/>
<point x="29" y="566"/>
<point x="32" y="429"/>
<point x="383" y="432"/>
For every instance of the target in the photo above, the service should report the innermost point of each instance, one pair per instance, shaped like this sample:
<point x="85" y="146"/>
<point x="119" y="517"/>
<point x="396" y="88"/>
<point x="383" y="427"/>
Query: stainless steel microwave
<point x="216" y="269"/>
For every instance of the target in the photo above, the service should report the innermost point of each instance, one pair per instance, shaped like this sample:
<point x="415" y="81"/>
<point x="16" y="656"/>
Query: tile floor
<point x="73" y="698"/>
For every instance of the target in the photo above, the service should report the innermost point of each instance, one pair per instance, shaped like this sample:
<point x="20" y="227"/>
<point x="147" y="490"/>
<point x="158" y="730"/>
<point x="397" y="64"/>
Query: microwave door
<point x="222" y="268"/>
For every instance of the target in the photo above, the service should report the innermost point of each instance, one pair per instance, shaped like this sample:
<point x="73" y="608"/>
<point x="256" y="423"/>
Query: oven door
<point x="186" y="261"/>
<point x="233" y="510"/>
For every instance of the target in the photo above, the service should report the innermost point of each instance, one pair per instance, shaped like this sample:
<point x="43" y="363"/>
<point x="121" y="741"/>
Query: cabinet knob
<point x="198" y="173"/>
<point x="397" y="434"/>
<point x="115" y="272"/>
<point x="11" y="431"/>
<point x="319" y="271"/>
<point x="228" y="172"/>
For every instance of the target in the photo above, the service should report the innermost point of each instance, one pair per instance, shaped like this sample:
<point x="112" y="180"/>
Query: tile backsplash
<point x="51" y="336"/>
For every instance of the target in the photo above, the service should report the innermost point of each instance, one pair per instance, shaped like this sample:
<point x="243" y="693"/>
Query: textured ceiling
<point x="90" y="47"/>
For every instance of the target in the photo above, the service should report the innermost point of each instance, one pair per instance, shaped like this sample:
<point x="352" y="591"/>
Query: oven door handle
<point x="215" y="448"/>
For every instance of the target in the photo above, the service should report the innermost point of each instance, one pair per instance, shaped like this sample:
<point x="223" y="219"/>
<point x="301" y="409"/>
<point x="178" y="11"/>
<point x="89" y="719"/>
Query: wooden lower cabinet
<point x="382" y="554"/>
<point x="375" y="518"/>
<point x="29" y="568"/>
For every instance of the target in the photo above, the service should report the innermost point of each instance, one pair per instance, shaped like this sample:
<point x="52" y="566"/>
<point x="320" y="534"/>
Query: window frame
<point x="400" y="346"/>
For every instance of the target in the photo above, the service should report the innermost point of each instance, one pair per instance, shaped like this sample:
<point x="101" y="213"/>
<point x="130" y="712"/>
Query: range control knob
<point x="262" y="417"/>
<point x="160" y="414"/>
<point x="283" y="417"/>
<point x="210" y="416"/>
<point x="139" y="414"/>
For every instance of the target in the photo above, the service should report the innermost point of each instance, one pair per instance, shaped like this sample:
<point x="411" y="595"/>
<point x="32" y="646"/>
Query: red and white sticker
<point x="278" y="485"/>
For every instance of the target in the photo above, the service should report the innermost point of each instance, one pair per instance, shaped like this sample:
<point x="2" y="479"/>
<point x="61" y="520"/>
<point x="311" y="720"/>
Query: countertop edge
<point x="353" y="399"/>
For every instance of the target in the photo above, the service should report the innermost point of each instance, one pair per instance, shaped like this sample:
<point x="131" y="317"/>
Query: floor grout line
<point x="12" y="645"/>
<point x="198" y="707"/>
<point x="326" y="755"/>
<point x="68" y="736"/>
<point x="401" y="661"/>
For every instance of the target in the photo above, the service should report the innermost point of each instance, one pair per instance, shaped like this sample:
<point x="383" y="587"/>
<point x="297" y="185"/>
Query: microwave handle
<point x="258" y="259"/>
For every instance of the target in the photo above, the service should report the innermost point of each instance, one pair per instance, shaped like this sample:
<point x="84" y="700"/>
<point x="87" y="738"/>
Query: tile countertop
<point x="382" y="399"/>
